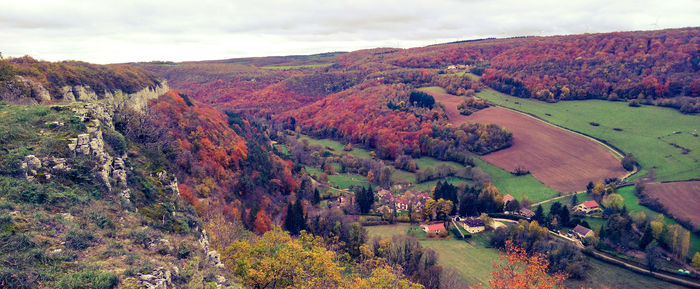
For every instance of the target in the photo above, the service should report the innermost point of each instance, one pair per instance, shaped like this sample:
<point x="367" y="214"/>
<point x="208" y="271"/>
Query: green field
<point x="647" y="132"/>
<point x="604" y="274"/>
<point x="342" y="181"/>
<point x="518" y="186"/>
<point x="336" y="146"/>
<point x="471" y="259"/>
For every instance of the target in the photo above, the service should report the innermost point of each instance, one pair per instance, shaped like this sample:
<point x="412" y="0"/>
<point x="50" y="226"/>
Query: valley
<point x="440" y="167"/>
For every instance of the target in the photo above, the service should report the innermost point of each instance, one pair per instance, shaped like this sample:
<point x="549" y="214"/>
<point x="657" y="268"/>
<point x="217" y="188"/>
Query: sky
<point x="140" y="30"/>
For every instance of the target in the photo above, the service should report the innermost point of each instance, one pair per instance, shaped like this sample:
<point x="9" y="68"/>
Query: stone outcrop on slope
<point x="83" y="93"/>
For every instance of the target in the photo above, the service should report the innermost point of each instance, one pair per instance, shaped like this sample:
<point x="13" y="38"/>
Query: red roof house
<point x="587" y="207"/>
<point x="436" y="228"/>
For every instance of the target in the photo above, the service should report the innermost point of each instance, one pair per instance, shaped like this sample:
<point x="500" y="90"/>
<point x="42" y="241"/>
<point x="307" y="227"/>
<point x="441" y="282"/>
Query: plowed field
<point x="680" y="199"/>
<point x="560" y="159"/>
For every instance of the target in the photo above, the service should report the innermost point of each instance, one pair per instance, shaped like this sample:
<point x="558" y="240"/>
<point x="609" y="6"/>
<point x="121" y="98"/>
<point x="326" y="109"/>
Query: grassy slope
<point x="337" y="146"/>
<point x="471" y="259"/>
<point x="647" y="131"/>
<point x="70" y="225"/>
<point x="518" y="186"/>
<point x="602" y="274"/>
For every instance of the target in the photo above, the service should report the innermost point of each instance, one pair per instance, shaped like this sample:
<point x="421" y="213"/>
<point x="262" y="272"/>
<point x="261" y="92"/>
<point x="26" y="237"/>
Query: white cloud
<point x="133" y="30"/>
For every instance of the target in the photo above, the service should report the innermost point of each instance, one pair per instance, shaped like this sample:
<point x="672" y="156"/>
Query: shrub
<point x="629" y="162"/>
<point x="89" y="279"/>
<point x="115" y="140"/>
<point x="520" y="171"/>
<point x="79" y="239"/>
<point x="593" y="123"/>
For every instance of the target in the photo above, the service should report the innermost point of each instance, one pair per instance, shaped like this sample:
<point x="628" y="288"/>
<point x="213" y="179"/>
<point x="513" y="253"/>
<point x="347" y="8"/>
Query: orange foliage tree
<point x="517" y="269"/>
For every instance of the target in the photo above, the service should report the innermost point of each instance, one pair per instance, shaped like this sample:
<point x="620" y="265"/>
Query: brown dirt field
<point x="680" y="199"/>
<point x="560" y="159"/>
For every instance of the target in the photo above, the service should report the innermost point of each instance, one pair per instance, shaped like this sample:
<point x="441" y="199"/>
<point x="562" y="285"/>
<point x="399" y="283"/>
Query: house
<point x="473" y="225"/>
<point x="507" y="199"/>
<point x="587" y="207"/>
<point x="401" y="204"/>
<point x="583" y="232"/>
<point x="527" y="213"/>
<point x="435" y="228"/>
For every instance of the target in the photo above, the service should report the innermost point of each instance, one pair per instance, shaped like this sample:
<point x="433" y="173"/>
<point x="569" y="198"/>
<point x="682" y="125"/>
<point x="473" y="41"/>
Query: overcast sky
<point x="140" y="30"/>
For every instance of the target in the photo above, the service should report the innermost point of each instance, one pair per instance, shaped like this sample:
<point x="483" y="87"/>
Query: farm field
<point x="648" y="132"/>
<point x="342" y="181"/>
<point x="517" y="186"/>
<point x="603" y="274"/>
<point x="472" y="260"/>
<point x="679" y="198"/>
<point x="337" y="146"/>
<point x="546" y="151"/>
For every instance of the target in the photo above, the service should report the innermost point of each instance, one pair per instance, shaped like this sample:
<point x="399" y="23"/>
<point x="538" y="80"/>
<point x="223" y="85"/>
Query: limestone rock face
<point x="160" y="278"/>
<point x="38" y="92"/>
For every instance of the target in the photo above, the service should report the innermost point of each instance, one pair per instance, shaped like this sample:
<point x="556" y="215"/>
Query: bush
<point x="629" y="162"/>
<point x="520" y="171"/>
<point x="593" y="123"/>
<point x="89" y="279"/>
<point x="79" y="239"/>
<point x="115" y="140"/>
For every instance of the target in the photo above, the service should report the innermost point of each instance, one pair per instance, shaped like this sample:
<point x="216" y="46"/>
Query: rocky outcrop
<point x="83" y="93"/>
<point x="37" y="91"/>
<point x="160" y="278"/>
<point x="35" y="167"/>
<point x="114" y="99"/>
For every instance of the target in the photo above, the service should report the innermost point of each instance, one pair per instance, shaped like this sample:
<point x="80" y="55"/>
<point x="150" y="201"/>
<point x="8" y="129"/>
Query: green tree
<point x="275" y="260"/>
<point x="696" y="261"/>
<point x="613" y="201"/>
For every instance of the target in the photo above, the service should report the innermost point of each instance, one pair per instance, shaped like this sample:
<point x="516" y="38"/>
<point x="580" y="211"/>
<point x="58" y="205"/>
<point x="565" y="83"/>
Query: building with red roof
<point x="588" y="207"/>
<point x="435" y="228"/>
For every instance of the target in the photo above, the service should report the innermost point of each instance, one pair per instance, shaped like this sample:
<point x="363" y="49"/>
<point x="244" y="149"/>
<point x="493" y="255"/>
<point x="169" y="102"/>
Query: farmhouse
<point x="527" y="213"/>
<point x="583" y="232"/>
<point x="473" y="225"/>
<point x="401" y="204"/>
<point x="507" y="199"/>
<point x="587" y="207"/>
<point x="435" y="228"/>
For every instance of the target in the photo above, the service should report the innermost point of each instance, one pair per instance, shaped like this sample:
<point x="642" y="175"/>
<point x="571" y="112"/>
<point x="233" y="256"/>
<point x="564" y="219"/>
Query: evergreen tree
<point x="589" y="187"/>
<point x="574" y="200"/>
<point x="646" y="238"/>
<point x="317" y="196"/>
<point x="539" y="215"/>
<point x="364" y="198"/>
<point x="290" y="221"/>
<point x="564" y="216"/>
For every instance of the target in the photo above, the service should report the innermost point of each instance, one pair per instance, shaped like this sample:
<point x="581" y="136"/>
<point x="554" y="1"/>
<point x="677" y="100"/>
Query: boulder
<point x="33" y="163"/>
